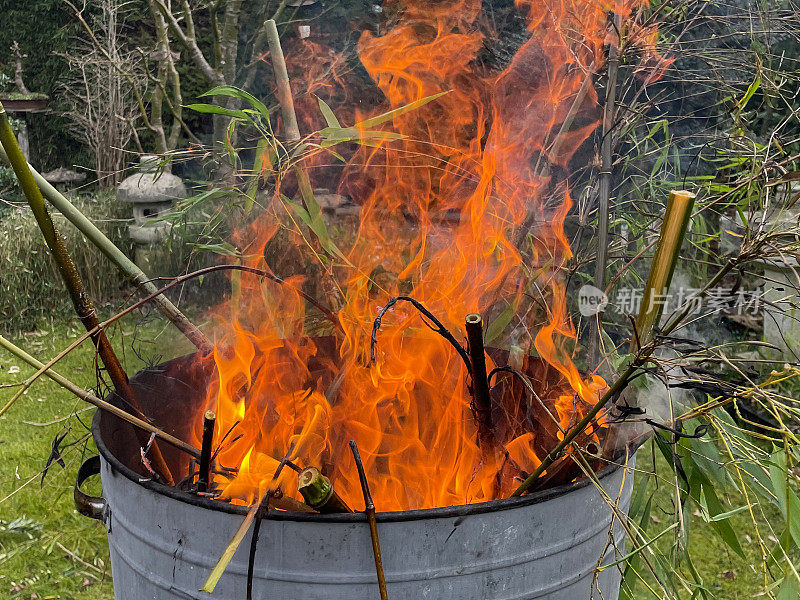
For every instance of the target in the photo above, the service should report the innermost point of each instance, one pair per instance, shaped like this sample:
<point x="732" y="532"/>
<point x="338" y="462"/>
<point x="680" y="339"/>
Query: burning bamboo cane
<point x="480" y="381"/>
<point x="204" y="476"/>
<point x="80" y="299"/>
<point x="369" y="510"/>
<point x="318" y="492"/>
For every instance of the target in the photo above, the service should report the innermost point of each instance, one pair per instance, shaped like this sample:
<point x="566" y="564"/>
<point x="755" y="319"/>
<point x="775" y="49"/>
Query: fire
<point x="490" y="152"/>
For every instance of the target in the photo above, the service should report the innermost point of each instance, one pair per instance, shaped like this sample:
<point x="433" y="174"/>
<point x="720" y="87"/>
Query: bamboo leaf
<point x="334" y="133"/>
<point x="710" y="501"/>
<point x="751" y="90"/>
<point x="330" y="118"/>
<point x="388" y="116"/>
<point x="788" y="502"/>
<point x="499" y="324"/>
<point x="217" y="110"/>
<point x="234" y="92"/>
<point x="789" y="589"/>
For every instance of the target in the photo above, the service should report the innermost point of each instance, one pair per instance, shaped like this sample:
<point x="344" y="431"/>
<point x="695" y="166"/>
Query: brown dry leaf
<point x="729" y="575"/>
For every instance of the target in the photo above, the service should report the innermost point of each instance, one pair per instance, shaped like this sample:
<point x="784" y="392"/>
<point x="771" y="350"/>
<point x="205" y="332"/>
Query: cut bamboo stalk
<point x="318" y="492"/>
<point x="605" y="180"/>
<point x="673" y="230"/>
<point x="116" y="256"/>
<point x="369" y="510"/>
<point x="480" y="381"/>
<point x="101" y="404"/>
<point x="204" y="476"/>
<point x="261" y="504"/>
<point x="282" y="81"/>
<point x="80" y="299"/>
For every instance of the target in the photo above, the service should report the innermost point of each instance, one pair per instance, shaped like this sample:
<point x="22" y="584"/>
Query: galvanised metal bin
<point x="546" y="545"/>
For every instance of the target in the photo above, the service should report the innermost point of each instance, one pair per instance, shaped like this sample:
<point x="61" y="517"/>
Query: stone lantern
<point x="151" y="193"/>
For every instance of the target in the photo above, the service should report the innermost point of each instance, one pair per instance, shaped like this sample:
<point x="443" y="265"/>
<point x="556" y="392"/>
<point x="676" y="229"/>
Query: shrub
<point x="30" y="286"/>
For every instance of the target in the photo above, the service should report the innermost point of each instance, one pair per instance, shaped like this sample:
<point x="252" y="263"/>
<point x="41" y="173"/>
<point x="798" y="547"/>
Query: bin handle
<point x="94" y="507"/>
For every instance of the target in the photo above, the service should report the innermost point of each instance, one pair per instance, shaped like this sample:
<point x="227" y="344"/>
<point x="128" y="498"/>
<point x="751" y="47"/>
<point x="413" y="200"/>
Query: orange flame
<point x="488" y="152"/>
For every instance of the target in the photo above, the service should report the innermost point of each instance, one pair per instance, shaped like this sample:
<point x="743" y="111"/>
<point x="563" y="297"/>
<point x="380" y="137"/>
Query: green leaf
<point x="223" y="249"/>
<point x="630" y="575"/>
<point x="729" y="514"/>
<point x="335" y="134"/>
<point x="790" y="590"/>
<point x="234" y="92"/>
<point x="788" y="502"/>
<point x="638" y="494"/>
<point x="217" y="110"/>
<point x="499" y="324"/>
<point x="750" y="91"/>
<point x="388" y="116"/>
<point x="709" y="500"/>
<point x="330" y="118"/>
<point x="311" y="214"/>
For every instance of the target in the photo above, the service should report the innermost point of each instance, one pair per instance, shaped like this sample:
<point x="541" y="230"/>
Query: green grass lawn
<point x="47" y="550"/>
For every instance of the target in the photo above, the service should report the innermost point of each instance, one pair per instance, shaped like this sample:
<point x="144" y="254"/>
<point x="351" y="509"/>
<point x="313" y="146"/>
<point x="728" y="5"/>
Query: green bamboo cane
<point x="80" y="299"/>
<point x="92" y="399"/>
<point x="116" y="256"/>
<point x="673" y="230"/>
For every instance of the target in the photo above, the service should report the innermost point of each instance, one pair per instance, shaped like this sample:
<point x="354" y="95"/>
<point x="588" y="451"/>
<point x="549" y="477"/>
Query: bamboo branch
<point x="116" y="256"/>
<point x="94" y="400"/>
<point x="369" y="510"/>
<point x="80" y="299"/>
<point x="604" y="192"/>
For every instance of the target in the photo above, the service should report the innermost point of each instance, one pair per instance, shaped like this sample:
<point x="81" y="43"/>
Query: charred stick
<point x="369" y="510"/>
<point x="604" y="193"/>
<point x="318" y="492"/>
<point x="439" y="328"/>
<point x="482" y="403"/>
<point x="261" y="512"/>
<point x="204" y="477"/>
<point x="72" y="280"/>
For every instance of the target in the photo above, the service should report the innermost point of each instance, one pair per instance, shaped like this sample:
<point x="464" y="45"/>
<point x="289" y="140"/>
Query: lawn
<point x="47" y="550"/>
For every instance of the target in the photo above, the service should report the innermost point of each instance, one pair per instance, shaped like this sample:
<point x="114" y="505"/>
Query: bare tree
<point x="102" y="102"/>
